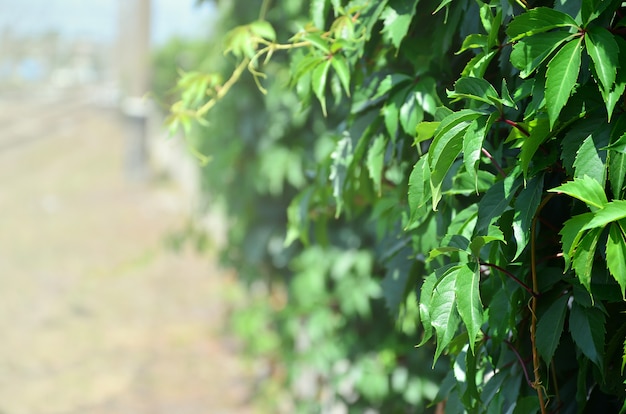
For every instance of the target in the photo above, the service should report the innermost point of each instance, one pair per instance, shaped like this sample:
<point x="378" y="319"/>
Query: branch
<point x="513" y="277"/>
<point x="533" y="324"/>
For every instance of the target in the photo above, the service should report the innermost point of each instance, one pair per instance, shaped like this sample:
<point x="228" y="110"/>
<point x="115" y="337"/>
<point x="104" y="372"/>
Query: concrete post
<point x="134" y="64"/>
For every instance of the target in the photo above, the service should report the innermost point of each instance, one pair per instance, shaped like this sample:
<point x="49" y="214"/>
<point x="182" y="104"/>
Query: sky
<point x="98" y="19"/>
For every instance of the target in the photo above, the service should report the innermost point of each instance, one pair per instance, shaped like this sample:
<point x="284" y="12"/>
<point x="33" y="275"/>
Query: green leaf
<point x="474" y="41"/>
<point x="263" y="29"/>
<point x="468" y="302"/>
<point x="539" y="131"/>
<point x="617" y="173"/>
<point x="613" y="96"/>
<point x="318" y="42"/>
<point x="612" y="211"/>
<point x="446" y="147"/>
<point x="318" y="10"/>
<point x="476" y="89"/>
<point x="587" y="328"/>
<point x="473" y="144"/>
<point x="561" y="78"/>
<point x="584" y="255"/>
<point x="391" y="114"/>
<point x="443" y="314"/>
<point x="375" y="158"/>
<point x="550" y="327"/>
<point x="538" y="20"/>
<point x="318" y="82"/>
<point x="411" y="113"/>
<point x="425" y="130"/>
<point x="397" y="19"/>
<point x="619" y="145"/>
<point x="389" y="83"/>
<point x="529" y="53"/>
<point x="342" y="69"/>
<point x="603" y="50"/>
<point x="493" y="234"/>
<point x="426" y="293"/>
<point x="571" y="234"/>
<point x="525" y="207"/>
<point x="586" y="189"/>
<point x="495" y="201"/>
<point x="590" y="159"/>
<point x="592" y="9"/>
<point x="477" y="66"/>
<point x="426" y="96"/>
<point x="616" y="254"/>
<point x="527" y="405"/>
<point x="342" y="158"/>
<point x="419" y="187"/>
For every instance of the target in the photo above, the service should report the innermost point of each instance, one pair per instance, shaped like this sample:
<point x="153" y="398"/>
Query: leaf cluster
<point x="448" y="173"/>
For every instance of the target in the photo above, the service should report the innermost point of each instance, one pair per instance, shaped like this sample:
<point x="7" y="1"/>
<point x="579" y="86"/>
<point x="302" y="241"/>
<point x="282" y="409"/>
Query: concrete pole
<point x="135" y="70"/>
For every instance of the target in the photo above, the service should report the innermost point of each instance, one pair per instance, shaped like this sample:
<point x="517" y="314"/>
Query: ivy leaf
<point x="375" y="158"/>
<point x="591" y="9"/>
<point x="586" y="189"/>
<point x="419" y="187"/>
<point x="603" y="50"/>
<point x="426" y="293"/>
<point x="612" y="211"/>
<point x="619" y="145"/>
<point x="539" y="131"/>
<point x="476" y="89"/>
<point x="342" y="69"/>
<point x="561" y="78"/>
<point x="411" y="113"/>
<point x="529" y="53"/>
<point x="613" y="96"/>
<point x="318" y="82"/>
<point x="550" y="327"/>
<point x="494" y="203"/>
<point x="538" y="20"/>
<point x="617" y="173"/>
<point x="477" y="66"/>
<point x="587" y="328"/>
<point x="468" y="302"/>
<point x="342" y="158"/>
<point x="318" y="10"/>
<point x="590" y="159"/>
<point x="616" y="254"/>
<point x="571" y="233"/>
<point x="473" y="41"/>
<point x="424" y="131"/>
<point x="525" y="207"/>
<point x="443" y="314"/>
<point x="263" y="29"/>
<point x="473" y="144"/>
<point x="391" y="114"/>
<point x="446" y="147"/>
<point x="397" y="19"/>
<point x="583" y="257"/>
<point x="527" y="405"/>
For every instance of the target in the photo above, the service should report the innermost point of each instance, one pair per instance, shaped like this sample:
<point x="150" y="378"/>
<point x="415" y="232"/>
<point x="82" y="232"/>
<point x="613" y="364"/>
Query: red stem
<point x="512" y="276"/>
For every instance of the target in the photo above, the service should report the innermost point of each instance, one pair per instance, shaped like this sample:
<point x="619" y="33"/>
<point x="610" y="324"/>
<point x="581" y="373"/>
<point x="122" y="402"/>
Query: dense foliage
<point x="448" y="173"/>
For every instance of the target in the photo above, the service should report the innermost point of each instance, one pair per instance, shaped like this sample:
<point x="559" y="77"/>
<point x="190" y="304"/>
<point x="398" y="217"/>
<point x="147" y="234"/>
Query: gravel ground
<point x="96" y="315"/>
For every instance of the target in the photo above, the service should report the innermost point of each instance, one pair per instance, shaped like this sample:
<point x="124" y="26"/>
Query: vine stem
<point x="512" y="276"/>
<point x="264" y="7"/>
<point x="520" y="360"/>
<point x="221" y="92"/>
<point x="494" y="162"/>
<point x="533" y="325"/>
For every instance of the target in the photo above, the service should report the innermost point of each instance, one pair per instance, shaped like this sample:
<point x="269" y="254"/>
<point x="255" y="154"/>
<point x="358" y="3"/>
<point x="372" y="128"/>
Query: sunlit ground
<point x="97" y="314"/>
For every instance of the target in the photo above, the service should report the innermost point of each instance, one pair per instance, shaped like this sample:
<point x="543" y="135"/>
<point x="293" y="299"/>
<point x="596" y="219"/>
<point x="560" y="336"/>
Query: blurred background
<point x="98" y="313"/>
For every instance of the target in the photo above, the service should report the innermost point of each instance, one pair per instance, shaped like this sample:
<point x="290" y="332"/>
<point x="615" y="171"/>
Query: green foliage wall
<point x="449" y="174"/>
